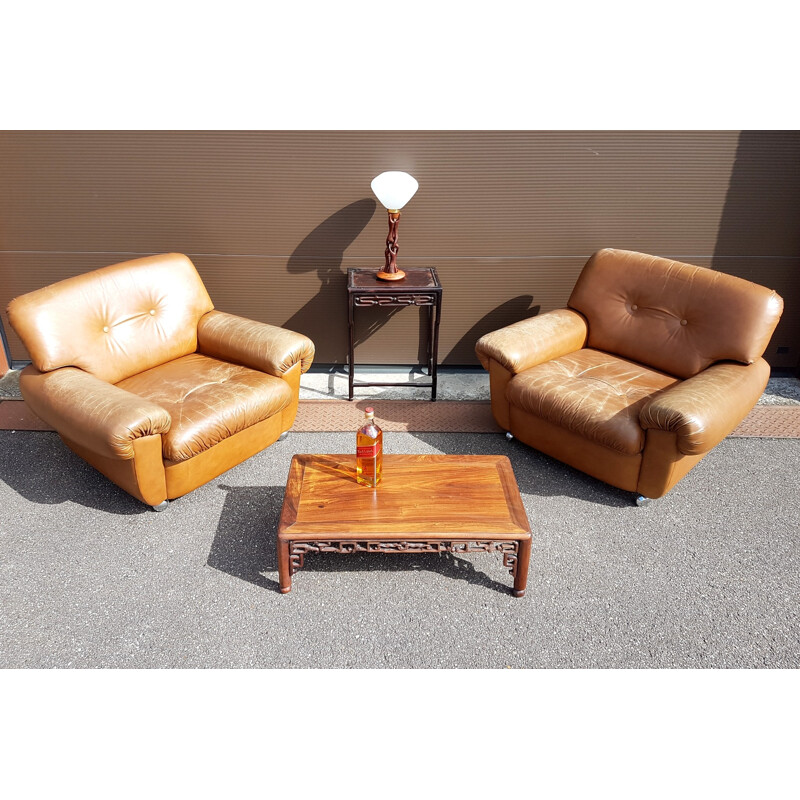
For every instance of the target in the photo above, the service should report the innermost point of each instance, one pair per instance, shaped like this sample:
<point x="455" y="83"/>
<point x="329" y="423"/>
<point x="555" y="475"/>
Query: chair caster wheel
<point x="641" y="501"/>
<point x="161" y="506"/>
<point x="509" y="436"/>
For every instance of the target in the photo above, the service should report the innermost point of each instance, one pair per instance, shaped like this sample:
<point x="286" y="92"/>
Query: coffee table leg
<point x="521" y="573"/>
<point x="284" y="569"/>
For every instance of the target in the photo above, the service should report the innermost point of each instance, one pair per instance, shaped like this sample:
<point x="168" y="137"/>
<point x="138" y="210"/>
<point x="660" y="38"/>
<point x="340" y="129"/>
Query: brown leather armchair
<point x="650" y="366"/>
<point x="143" y="379"/>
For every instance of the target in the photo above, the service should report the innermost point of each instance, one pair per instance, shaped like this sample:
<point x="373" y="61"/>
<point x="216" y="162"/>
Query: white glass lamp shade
<point x="394" y="189"/>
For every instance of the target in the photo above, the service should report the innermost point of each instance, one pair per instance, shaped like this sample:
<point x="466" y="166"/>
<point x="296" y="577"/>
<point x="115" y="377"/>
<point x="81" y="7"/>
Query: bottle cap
<point x="369" y="411"/>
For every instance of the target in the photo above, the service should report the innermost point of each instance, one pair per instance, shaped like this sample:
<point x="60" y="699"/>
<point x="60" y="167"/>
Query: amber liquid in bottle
<point x="369" y="451"/>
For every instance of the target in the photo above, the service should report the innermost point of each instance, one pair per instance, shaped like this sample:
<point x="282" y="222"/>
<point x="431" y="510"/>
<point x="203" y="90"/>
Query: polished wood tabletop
<point x="460" y="496"/>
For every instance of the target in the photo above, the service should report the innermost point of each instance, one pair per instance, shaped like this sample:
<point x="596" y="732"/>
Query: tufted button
<point x="152" y="312"/>
<point x="105" y="328"/>
<point x="634" y="307"/>
<point x="683" y="322"/>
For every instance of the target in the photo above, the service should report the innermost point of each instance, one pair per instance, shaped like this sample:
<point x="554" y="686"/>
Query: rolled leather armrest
<point x="90" y="412"/>
<point x="253" y="344"/>
<point x="533" y="341"/>
<point x="704" y="409"/>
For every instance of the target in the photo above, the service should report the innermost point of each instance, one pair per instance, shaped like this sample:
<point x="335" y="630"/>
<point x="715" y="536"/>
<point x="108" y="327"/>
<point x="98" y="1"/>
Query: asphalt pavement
<point x="708" y="576"/>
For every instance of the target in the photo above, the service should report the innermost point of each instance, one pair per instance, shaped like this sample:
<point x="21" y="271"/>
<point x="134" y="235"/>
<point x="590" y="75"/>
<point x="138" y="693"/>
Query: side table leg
<point x="521" y="572"/>
<point x="429" y="344"/>
<point x="435" y="346"/>
<point x="351" y="347"/>
<point x="284" y="569"/>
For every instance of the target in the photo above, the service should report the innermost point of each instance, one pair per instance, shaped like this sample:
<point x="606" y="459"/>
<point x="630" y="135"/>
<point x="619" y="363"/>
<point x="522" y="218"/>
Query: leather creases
<point x="652" y="365"/>
<point x="532" y="341"/>
<point x="116" y="321"/>
<point x="673" y="316"/>
<point x="208" y="400"/>
<point x="96" y="415"/>
<point x="253" y="344"/>
<point x="593" y="394"/>
<point x="143" y="379"/>
<point x="704" y="409"/>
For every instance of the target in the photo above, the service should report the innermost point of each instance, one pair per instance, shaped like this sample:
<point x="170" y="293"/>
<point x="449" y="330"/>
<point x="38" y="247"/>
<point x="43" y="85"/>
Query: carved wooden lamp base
<point x="390" y="271"/>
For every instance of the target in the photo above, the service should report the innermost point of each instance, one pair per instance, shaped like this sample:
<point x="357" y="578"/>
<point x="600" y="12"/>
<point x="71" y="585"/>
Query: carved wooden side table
<point x="420" y="287"/>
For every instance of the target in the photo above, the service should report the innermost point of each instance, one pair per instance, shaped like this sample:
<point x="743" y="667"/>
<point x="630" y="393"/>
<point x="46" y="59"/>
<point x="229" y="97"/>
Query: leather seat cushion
<point x="593" y="394"/>
<point x="208" y="400"/>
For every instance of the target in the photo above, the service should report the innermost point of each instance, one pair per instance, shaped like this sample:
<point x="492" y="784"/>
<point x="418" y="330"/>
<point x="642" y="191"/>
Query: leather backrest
<point x="672" y="316"/>
<point x="116" y="321"/>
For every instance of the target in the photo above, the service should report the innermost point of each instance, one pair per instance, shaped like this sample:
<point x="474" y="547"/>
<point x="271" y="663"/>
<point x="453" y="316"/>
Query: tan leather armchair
<point x="143" y="379"/>
<point x="651" y="365"/>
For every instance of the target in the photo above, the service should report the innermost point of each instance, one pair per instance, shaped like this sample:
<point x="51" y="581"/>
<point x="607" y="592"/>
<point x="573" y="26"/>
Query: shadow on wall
<point x="323" y="250"/>
<point x="760" y="217"/>
<point x="514" y="310"/>
<point x="759" y="236"/>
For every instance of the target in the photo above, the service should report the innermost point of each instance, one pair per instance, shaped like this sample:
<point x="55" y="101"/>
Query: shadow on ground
<point x="38" y="466"/>
<point x="245" y="546"/>
<point x="245" y="542"/>
<point x="536" y="473"/>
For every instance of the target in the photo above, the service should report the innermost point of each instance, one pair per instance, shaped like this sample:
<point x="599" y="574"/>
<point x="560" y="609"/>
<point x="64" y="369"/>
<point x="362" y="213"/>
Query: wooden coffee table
<point x="424" y="504"/>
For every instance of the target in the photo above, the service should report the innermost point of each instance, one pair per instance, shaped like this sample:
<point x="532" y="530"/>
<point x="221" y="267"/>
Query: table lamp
<point x="394" y="190"/>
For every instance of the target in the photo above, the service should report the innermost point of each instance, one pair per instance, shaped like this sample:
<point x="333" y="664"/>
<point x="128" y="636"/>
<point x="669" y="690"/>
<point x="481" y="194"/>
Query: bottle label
<point x="367" y="451"/>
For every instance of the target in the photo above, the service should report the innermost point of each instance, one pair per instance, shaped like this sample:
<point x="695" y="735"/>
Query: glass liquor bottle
<point x="369" y="451"/>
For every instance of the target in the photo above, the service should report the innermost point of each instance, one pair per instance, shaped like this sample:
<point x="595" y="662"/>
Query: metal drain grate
<point x="771" y="422"/>
<point x="446" y="416"/>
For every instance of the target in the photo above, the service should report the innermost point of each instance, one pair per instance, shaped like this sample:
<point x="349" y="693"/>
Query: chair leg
<point x="641" y="500"/>
<point x="161" y="506"/>
<point x="283" y="436"/>
<point x="509" y="435"/>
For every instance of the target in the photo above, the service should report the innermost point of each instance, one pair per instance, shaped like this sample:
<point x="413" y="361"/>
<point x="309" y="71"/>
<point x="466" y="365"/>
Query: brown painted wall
<point x="273" y="219"/>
